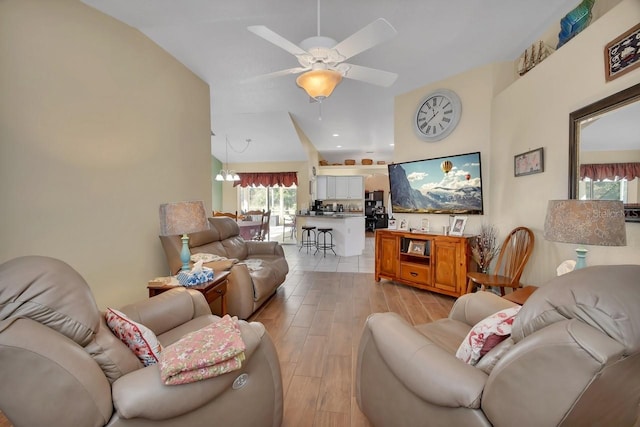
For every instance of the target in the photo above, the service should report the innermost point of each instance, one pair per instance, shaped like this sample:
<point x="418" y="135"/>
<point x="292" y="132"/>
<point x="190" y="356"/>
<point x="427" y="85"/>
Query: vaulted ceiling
<point x="435" y="39"/>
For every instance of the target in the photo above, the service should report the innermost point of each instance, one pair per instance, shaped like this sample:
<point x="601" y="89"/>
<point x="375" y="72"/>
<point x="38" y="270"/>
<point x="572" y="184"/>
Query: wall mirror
<point x="604" y="151"/>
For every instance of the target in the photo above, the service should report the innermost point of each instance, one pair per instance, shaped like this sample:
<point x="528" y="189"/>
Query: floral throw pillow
<point x="140" y="339"/>
<point x="486" y="334"/>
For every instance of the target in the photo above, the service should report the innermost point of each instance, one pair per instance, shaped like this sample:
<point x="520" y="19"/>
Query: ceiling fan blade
<point x="277" y="39"/>
<point x="275" y="74"/>
<point x="375" y="33"/>
<point x="368" y="75"/>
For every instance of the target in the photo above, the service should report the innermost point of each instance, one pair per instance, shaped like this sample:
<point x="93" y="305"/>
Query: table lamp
<point x="183" y="218"/>
<point x="585" y="222"/>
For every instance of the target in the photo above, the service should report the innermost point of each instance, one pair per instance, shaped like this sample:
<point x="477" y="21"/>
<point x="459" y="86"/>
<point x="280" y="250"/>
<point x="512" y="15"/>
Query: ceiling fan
<point x="322" y="58"/>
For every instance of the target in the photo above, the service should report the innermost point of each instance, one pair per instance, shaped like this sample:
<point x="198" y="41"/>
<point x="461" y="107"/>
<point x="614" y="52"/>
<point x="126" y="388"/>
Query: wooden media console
<point x="433" y="262"/>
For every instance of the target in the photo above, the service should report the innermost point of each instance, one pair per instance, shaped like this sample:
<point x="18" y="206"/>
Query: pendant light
<point x="227" y="174"/>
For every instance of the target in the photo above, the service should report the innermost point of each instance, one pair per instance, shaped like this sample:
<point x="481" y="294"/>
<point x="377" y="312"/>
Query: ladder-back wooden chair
<point x="288" y="221"/>
<point x="264" y="228"/>
<point x="514" y="254"/>
<point x="256" y="216"/>
<point x="263" y="231"/>
<point x="229" y="214"/>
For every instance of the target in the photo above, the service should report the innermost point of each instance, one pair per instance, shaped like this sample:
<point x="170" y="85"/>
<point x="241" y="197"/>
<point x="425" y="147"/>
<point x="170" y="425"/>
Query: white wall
<point x="531" y="112"/>
<point x="98" y="127"/>
<point x="476" y="91"/>
<point x="534" y="112"/>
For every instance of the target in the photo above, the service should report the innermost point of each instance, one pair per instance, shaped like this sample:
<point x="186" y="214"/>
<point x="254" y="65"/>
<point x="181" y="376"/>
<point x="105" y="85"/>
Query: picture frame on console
<point x="458" y="224"/>
<point x="416" y="247"/>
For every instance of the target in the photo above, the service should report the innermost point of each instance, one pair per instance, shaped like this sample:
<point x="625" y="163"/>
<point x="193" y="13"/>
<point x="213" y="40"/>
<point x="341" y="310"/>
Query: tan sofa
<point x="247" y="289"/>
<point x="60" y="365"/>
<point x="573" y="359"/>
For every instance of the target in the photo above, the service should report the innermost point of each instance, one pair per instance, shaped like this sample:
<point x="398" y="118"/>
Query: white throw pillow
<point x="486" y="334"/>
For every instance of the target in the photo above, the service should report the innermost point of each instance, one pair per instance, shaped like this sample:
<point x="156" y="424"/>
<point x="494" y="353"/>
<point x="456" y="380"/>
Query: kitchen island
<point x="348" y="230"/>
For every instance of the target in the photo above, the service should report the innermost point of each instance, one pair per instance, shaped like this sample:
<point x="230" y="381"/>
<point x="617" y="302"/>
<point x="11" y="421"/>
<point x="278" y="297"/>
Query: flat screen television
<point x="443" y="185"/>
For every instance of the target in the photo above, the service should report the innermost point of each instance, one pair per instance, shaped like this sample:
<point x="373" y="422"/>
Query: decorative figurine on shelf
<point x="575" y="21"/>
<point x="484" y="247"/>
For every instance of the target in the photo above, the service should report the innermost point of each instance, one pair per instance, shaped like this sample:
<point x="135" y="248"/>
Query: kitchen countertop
<point x="347" y="230"/>
<point x="333" y="215"/>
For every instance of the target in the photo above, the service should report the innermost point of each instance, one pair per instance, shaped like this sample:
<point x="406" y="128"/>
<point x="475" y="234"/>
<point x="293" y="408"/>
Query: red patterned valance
<point x="267" y="179"/>
<point x="600" y="171"/>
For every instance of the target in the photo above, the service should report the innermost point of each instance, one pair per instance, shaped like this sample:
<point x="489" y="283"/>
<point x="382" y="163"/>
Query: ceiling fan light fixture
<point x="319" y="84"/>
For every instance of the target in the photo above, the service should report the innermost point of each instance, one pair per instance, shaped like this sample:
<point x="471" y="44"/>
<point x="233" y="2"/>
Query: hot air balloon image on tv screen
<point x="443" y="185"/>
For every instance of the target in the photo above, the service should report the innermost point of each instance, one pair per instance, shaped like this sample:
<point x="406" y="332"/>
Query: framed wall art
<point x="622" y="54"/>
<point x="529" y="163"/>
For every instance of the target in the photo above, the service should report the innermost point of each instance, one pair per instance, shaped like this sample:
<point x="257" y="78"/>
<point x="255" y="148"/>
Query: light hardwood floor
<point x="315" y="320"/>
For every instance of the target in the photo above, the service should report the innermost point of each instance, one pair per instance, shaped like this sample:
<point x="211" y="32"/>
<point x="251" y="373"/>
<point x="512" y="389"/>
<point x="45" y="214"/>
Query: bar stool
<point x="308" y="241"/>
<point x="324" y="246"/>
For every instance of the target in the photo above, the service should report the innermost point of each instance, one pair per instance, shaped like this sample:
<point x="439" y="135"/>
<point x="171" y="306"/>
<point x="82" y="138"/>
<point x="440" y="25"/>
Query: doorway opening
<point x="281" y="201"/>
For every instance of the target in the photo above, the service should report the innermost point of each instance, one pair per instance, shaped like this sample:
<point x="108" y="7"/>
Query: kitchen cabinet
<point x="331" y="187"/>
<point x="349" y="188"/>
<point x="339" y="187"/>
<point x="355" y="184"/>
<point x="321" y="187"/>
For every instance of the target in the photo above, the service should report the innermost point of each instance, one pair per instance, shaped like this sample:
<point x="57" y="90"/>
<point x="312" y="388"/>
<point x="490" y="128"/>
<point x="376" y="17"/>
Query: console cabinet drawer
<point x="415" y="273"/>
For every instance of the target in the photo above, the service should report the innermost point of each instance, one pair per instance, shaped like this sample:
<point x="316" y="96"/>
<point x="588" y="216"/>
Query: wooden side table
<point x="520" y="295"/>
<point x="217" y="288"/>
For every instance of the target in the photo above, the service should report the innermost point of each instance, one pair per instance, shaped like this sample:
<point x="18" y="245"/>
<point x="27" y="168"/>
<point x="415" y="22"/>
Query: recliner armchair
<point x="573" y="359"/>
<point x="247" y="289"/>
<point x="60" y="365"/>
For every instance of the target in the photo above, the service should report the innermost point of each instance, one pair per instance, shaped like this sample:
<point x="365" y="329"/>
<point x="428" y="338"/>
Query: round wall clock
<point x="437" y="115"/>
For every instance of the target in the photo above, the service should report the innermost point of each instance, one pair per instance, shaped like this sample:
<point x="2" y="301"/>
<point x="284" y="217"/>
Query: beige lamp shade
<point x="183" y="218"/>
<point x="319" y="83"/>
<point x="586" y="222"/>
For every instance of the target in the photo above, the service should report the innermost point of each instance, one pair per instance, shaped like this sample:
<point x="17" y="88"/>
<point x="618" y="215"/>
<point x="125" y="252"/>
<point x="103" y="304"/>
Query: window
<point x="605" y="189"/>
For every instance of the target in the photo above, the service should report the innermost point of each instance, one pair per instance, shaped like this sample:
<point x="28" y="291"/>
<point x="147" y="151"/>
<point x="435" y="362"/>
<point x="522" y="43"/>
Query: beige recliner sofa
<point x="573" y="359"/>
<point x="60" y="365"/>
<point x="248" y="288"/>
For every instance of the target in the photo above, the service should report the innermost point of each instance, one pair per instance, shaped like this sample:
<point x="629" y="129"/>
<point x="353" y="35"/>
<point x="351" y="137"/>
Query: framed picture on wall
<point x="529" y="163"/>
<point x="621" y="54"/>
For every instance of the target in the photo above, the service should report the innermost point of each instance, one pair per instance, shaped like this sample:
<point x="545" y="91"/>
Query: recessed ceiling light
<point x="336" y="134"/>
<point x="392" y="144"/>
<point x="338" y="146"/>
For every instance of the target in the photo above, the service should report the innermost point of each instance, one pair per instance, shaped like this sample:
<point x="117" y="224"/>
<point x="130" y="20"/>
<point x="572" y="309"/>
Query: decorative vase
<point x="575" y="21"/>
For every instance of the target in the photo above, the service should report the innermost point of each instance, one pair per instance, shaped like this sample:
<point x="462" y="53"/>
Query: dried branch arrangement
<point x="484" y="247"/>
